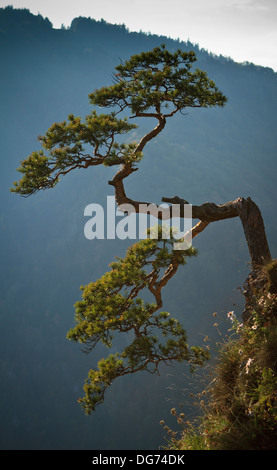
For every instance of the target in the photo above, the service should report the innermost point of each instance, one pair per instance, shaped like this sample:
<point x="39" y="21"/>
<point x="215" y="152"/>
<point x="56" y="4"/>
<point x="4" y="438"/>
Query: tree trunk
<point x="254" y="230"/>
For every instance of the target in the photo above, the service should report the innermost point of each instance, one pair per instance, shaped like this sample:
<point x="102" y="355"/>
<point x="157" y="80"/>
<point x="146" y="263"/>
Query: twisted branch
<point x="245" y="209"/>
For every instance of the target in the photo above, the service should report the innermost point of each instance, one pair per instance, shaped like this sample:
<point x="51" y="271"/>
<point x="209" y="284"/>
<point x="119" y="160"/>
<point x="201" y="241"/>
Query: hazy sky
<point x="245" y="30"/>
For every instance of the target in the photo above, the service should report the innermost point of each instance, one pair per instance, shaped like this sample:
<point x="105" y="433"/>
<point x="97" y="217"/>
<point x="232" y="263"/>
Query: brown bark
<point x="208" y="212"/>
<point x="254" y="230"/>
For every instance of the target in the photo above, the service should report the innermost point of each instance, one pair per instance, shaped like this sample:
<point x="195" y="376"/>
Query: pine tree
<point x="155" y="84"/>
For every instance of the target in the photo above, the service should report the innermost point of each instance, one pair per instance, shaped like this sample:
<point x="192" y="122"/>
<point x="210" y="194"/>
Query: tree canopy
<point x="115" y="304"/>
<point x="152" y="84"/>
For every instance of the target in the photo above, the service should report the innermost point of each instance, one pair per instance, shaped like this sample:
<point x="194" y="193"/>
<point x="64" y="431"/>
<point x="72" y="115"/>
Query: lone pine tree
<point x="156" y="84"/>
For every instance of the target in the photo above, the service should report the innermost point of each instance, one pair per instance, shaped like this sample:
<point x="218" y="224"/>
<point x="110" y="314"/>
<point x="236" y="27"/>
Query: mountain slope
<point x="208" y="155"/>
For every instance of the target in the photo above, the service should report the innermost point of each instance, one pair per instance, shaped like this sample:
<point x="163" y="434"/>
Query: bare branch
<point x="153" y="133"/>
<point x="208" y="212"/>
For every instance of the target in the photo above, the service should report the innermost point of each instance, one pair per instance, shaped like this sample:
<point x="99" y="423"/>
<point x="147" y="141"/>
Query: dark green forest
<point x="211" y="155"/>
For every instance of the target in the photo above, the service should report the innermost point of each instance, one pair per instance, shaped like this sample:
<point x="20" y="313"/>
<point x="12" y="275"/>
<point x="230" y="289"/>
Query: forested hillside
<point x="211" y="155"/>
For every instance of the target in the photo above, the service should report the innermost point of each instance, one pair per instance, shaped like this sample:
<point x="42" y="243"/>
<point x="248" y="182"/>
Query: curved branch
<point x="153" y="133"/>
<point x="208" y="212"/>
